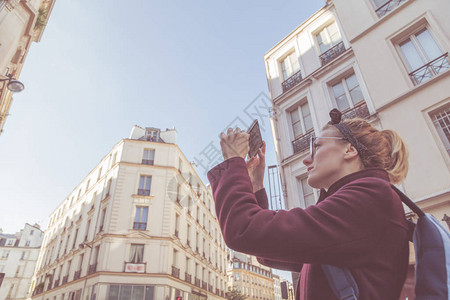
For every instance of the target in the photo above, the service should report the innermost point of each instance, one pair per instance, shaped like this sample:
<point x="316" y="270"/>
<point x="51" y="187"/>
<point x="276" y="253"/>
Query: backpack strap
<point x="413" y="206"/>
<point x="341" y="282"/>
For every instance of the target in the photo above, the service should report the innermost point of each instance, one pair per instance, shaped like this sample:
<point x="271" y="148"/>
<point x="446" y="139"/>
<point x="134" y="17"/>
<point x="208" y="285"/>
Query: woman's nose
<point x="307" y="161"/>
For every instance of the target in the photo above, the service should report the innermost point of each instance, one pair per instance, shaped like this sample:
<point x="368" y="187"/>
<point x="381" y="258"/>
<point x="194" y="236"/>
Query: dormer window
<point x="151" y="135"/>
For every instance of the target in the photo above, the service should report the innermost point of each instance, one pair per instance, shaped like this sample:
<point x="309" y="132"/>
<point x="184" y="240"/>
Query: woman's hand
<point x="256" y="167"/>
<point x="234" y="143"/>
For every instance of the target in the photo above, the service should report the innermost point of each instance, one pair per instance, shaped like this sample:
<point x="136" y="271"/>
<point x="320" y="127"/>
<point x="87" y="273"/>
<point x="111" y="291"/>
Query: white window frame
<point x="148" y="156"/>
<point x="299" y="183"/>
<point x="412" y="36"/>
<point x="290" y="64"/>
<point x="302" y="121"/>
<point x="343" y="80"/>
<point x="443" y="112"/>
<point x="325" y="27"/>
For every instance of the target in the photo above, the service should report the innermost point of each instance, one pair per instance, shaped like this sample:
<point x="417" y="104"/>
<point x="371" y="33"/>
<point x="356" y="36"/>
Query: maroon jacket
<point x="358" y="224"/>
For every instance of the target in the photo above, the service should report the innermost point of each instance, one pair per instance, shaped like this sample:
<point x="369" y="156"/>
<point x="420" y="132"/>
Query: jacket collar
<point x="369" y="172"/>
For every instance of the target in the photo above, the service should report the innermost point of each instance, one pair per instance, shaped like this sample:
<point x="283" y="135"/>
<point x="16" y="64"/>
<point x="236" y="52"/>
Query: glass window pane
<point x="428" y="44"/>
<point x="138" y="293"/>
<point x="297" y="128"/>
<point x="412" y="56"/>
<point x="334" y="33"/>
<point x="137" y="218"/>
<point x="323" y="42"/>
<point x="144" y="214"/>
<point x="294" y="62"/>
<point x="308" y="123"/>
<point x="356" y="95"/>
<point x="351" y="81"/>
<point x="149" y="290"/>
<point x="379" y="3"/>
<point x="113" y="292"/>
<point x="141" y="182"/>
<point x="338" y="90"/>
<point x="148" y="182"/>
<point x="125" y="292"/>
<point x="295" y="117"/>
<point x="342" y="102"/>
<point x="305" y="110"/>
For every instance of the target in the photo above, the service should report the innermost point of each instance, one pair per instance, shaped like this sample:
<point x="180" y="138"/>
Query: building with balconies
<point x="21" y="23"/>
<point x="382" y="60"/>
<point x="140" y="225"/>
<point x="19" y="253"/>
<point x="249" y="277"/>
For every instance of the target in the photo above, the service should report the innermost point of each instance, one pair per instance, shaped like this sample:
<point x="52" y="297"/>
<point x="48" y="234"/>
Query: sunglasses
<point x="312" y="145"/>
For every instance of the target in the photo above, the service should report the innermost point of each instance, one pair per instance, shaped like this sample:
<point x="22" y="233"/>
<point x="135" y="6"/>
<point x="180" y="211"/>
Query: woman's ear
<point x="350" y="152"/>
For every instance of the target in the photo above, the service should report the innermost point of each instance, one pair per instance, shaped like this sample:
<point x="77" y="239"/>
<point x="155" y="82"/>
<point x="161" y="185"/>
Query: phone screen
<point x="255" y="140"/>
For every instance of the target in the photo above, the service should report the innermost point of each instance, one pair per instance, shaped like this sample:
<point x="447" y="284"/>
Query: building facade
<point x="21" y="23"/>
<point x="249" y="277"/>
<point x="385" y="61"/>
<point x="19" y="253"/>
<point x="140" y="225"/>
<point x="276" y="287"/>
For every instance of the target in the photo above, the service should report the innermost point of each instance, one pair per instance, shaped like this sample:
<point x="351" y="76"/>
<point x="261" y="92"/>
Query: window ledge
<point x="380" y="21"/>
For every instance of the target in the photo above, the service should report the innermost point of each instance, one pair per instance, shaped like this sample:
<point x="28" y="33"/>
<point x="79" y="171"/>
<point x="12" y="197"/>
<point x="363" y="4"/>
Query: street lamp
<point x="13" y="85"/>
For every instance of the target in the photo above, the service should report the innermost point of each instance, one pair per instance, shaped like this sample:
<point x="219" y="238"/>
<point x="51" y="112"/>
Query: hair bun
<point x="335" y="116"/>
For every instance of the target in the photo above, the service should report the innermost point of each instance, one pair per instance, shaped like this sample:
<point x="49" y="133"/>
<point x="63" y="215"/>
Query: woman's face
<point x="327" y="164"/>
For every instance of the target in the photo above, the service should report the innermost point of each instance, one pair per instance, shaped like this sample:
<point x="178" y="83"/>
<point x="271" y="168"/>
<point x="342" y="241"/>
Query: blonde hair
<point x="386" y="149"/>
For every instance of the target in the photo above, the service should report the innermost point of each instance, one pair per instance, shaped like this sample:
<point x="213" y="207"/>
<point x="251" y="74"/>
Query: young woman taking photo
<point x="358" y="222"/>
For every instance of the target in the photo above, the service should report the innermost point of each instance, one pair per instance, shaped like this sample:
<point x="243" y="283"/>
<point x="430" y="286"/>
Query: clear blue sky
<point x="104" y="66"/>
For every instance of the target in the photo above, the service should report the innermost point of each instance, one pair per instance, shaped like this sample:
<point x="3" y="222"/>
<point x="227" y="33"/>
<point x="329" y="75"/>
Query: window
<point x="301" y="120"/>
<point x="422" y="56"/>
<point x="31" y="232"/>
<point x="177" y="224"/>
<point x="99" y="173"/>
<point x="140" y="219"/>
<point x="144" y="185"/>
<point x="87" y="230"/>
<point x="102" y="220"/>
<point x="149" y="157"/>
<point x="75" y="238"/>
<point x="174" y="258"/>
<point x="80" y="262"/>
<point x="347" y="93"/>
<point x="290" y="65"/>
<point x="134" y="292"/>
<point x="441" y="120"/>
<point x="306" y="191"/>
<point x="328" y="37"/>
<point x="107" y="189"/>
<point x="22" y="257"/>
<point x="136" y="253"/>
<point x="10" y="242"/>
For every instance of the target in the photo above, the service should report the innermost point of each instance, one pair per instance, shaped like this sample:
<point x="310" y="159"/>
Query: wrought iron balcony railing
<point x="56" y="284"/>
<point x="92" y="269"/>
<point x="204" y="285"/>
<point x="76" y="275"/>
<point x="332" y="53"/>
<point x="292" y="81"/>
<point x="388" y="7"/>
<point x="140" y="225"/>
<point x="197" y="282"/>
<point x="147" y="161"/>
<point x="175" y="272"/>
<point x="143" y="192"/>
<point x="360" y="110"/>
<point x="301" y="143"/>
<point x="431" y="69"/>
<point x="65" y="279"/>
<point x="187" y="277"/>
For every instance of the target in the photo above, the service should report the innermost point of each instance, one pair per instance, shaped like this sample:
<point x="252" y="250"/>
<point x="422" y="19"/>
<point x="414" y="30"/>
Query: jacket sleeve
<point x="349" y="222"/>
<point x="261" y="198"/>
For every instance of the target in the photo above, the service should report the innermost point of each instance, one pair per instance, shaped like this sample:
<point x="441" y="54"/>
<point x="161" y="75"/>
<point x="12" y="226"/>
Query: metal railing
<point x="175" y="272"/>
<point x="187" y="277"/>
<point x="301" y="143"/>
<point x="360" y="110"/>
<point x="292" y="81"/>
<point x="143" y="192"/>
<point x="65" y="279"/>
<point x="197" y="282"/>
<point x="388" y="7"/>
<point x="92" y="269"/>
<point x="430" y="69"/>
<point x="140" y="225"/>
<point x="76" y="275"/>
<point x="148" y="161"/>
<point x="332" y="53"/>
<point x="204" y="285"/>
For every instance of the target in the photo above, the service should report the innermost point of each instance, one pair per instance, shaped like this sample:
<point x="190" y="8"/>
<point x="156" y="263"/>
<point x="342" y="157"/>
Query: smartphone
<point x="255" y="140"/>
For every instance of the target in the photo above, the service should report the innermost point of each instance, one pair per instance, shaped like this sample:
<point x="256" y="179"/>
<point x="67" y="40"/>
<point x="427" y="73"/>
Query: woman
<point x="358" y="222"/>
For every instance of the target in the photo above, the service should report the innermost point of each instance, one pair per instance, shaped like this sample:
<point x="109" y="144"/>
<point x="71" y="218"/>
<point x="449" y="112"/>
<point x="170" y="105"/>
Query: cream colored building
<point x="249" y="277"/>
<point x="21" y="23"/>
<point x="276" y="287"/>
<point x="386" y="61"/>
<point x="18" y="256"/>
<point x="141" y="225"/>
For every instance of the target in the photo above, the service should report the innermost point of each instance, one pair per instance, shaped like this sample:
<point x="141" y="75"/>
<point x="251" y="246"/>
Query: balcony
<point x="332" y="53"/>
<point x="210" y="288"/>
<point x="148" y="162"/>
<point x="197" y="282"/>
<point x="139" y="226"/>
<point x="292" y="81"/>
<point x="204" y="285"/>
<point x="92" y="269"/>
<point x="175" y="272"/>
<point x="56" y="284"/>
<point x="431" y="69"/>
<point x="217" y="292"/>
<point x="65" y="279"/>
<point x="143" y="192"/>
<point x="187" y="277"/>
<point x="301" y="143"/>
<point x="76" y="275"/>
<point x="176" y="233"/>
<point x="388" y="7"/>
<point x="360" y="110"/>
